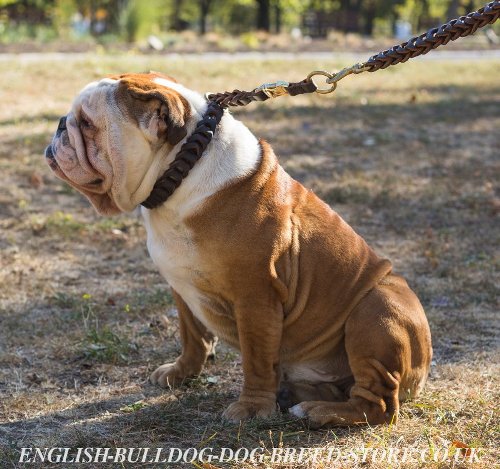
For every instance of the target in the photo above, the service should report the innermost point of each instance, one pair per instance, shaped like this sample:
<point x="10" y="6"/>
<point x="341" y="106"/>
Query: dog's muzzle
<point x="49" y="151"/>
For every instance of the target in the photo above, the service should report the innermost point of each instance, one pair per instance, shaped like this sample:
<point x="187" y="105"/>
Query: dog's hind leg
<point x="373" y="399"/>
<point x="197" y="345"/>
<point x="388" y="347"/>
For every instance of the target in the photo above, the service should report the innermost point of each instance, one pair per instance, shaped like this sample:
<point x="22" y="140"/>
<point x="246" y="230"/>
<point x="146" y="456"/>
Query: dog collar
<point x="190" y="152"/>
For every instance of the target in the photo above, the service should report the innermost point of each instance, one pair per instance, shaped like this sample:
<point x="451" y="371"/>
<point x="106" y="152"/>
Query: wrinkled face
<point x="115" y="141"/>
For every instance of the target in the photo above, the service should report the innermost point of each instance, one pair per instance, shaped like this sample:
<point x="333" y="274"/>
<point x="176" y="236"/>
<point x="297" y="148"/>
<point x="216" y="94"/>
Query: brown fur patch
<point x="136" y="95"/>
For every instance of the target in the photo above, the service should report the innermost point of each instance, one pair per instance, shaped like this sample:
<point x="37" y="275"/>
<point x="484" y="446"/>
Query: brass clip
<point x="273" y="90"/>
<point x="333" y="78"/>
<point x="357" y="68"/>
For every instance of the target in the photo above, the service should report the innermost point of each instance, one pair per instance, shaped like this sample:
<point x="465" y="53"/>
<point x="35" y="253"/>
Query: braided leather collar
<point x="190" y="152"/>
<point x="242" y="98"/>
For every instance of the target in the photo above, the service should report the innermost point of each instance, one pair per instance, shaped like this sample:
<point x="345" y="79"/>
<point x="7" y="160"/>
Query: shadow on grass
<point x="191" y="420"/>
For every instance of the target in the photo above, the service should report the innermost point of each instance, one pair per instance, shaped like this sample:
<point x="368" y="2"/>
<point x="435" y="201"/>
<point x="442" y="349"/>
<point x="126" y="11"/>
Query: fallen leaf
<point x="461" y="446"/>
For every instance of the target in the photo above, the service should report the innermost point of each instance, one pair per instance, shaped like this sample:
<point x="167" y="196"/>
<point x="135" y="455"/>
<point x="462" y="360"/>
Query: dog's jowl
<point x="325" y="328"/>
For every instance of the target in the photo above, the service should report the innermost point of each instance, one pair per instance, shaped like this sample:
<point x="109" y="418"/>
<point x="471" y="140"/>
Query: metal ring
<point x="325" y="74"/>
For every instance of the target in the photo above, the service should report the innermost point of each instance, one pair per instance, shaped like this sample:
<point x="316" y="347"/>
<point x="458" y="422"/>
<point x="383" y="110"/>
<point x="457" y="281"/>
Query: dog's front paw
<point x="169" y="375"/>
<point x="242" y="410"/>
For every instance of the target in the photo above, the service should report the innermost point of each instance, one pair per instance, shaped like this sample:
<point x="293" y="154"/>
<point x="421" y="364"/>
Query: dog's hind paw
<point x="297" y="411"/>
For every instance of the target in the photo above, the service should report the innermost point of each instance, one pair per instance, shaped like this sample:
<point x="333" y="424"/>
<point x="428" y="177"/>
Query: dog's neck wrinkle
<point x="233" y="154"/>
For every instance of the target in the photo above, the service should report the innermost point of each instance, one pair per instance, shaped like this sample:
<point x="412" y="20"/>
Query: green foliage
<point x="139" y="19"/>
<point x="101" y="343"/>
<point x="238" y="18"/>
<point x="104" y="345"/>
<point x="134" y="20"/>
<point x="4" y="3"/>
<point x="250" y="40"/>
<point x="64" y="224"/>
<point x="138" y="405"/>
<point x="130" y="21"/>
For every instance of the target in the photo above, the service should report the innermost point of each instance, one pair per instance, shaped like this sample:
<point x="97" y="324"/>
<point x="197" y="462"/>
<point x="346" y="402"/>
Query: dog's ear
<point x="169" y="111"/>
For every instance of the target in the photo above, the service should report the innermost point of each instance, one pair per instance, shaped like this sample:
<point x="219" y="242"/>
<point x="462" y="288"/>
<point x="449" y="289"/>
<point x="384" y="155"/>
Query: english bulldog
<point x="324" y="327"/>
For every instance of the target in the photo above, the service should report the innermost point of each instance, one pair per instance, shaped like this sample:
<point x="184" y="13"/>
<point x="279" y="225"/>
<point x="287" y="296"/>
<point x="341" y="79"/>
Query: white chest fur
<point x="170" y="245"/>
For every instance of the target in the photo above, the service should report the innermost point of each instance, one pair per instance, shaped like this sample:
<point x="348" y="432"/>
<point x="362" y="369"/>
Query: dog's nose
<point x="62" y="123"/>
<point x="49" y="152"/>
<point x="51" y="159"/>
<point x="61" y="126"/>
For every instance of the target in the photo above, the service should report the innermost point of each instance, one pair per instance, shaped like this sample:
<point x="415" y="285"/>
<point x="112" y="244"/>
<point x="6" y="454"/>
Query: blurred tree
<point x="277" y="11"/>
<point x="350" y="11"/>
<point x="263" y="15"/>
<point x="423" y="17"/>
<point x="373" y="9"/>
<point x="236" y="16"/>
<point x="423" y="14"/>
<point x="133" y="19"/>
<point x="452" y="10"/>
<point x="176" y="23"/>
<point x="204" y="11"/>
<point x="30" y="12"/>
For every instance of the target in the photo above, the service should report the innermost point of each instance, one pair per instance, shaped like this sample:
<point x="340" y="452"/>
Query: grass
<point x="409" y="156"/>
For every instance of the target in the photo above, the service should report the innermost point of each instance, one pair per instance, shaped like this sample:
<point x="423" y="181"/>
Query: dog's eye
<point x="85" y="123"/>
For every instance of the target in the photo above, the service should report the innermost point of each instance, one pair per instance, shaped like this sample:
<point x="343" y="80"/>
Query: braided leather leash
<point x="192" y="150"/>
<point x="435" y="37"/>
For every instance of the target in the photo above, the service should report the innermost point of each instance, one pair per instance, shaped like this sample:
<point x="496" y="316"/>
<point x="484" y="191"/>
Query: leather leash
<point x="192" y="150"/>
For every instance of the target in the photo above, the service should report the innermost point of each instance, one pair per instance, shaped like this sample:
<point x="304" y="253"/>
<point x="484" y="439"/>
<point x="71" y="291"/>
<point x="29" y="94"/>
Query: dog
<point x="324" y="327"/>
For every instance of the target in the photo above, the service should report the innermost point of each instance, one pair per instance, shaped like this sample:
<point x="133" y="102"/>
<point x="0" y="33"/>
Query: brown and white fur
<point x="253" y="258"/>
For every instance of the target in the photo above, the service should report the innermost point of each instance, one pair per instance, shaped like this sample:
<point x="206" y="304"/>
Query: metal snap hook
<point x="325" y="74"/>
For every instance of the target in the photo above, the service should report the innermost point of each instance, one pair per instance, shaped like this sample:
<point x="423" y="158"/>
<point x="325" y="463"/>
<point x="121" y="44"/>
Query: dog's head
<point x="119" y="136"/>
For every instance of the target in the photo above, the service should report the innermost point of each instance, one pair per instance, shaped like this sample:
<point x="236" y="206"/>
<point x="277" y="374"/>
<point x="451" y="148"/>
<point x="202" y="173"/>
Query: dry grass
<point x="408" y="156"/>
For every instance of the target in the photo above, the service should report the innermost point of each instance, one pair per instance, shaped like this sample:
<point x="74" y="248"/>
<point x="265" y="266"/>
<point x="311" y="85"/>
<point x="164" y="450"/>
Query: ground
<point x="408" y="156"/>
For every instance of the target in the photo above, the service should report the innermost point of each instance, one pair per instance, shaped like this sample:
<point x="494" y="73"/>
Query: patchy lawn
<point x="409" y="156"/>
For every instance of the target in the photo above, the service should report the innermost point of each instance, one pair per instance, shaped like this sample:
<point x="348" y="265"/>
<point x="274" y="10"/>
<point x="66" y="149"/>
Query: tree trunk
<point x="349" y="15"/>
<point x="263" y="21"/>
<point x="92" y="8"/>
<point x="204" y="10"/>
<point x="176" y="16"/>
<point x="423" y="19"/>
<point x="452" y="10"/>
<point x="369" y="17"/>
<point x="277" y="17"/>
